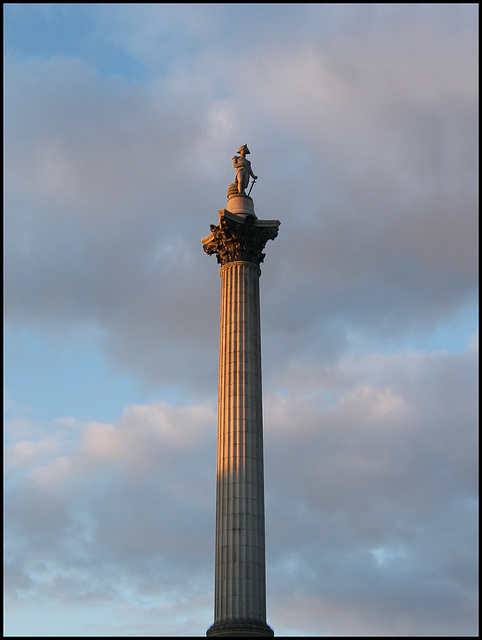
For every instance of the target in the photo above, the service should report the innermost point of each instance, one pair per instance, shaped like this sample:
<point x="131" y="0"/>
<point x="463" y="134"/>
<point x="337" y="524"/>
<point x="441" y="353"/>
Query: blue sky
<point x="120" y="124"/>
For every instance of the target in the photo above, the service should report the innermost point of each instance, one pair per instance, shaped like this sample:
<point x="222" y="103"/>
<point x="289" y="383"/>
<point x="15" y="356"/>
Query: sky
<point x="120" y="124"/>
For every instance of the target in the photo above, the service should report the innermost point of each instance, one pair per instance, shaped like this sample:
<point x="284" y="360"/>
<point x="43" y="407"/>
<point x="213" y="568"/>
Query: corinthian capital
<point x="240" y="238"/>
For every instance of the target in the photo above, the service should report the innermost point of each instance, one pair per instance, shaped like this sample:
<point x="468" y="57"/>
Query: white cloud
<point x="119" y="511"/>
<point x="26" y="452"/>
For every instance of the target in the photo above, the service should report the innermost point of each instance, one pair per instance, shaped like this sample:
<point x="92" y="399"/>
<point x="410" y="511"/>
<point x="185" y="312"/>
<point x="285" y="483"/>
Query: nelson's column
<point x="238" y="242"/>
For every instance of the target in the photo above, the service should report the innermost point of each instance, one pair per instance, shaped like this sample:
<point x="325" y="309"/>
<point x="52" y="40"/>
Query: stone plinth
<point x="241" y="204"/>
<point x="240" y="589"/>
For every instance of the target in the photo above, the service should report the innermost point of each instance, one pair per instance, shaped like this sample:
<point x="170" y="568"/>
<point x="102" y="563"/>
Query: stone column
<point x="240" y="589"/>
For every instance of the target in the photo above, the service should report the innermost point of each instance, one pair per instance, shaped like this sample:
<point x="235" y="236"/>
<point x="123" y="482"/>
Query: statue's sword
<point x="252" y="185"/>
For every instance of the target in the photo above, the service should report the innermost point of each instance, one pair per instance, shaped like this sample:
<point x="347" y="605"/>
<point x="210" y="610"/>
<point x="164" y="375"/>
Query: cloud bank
<point x="371" y="505"/>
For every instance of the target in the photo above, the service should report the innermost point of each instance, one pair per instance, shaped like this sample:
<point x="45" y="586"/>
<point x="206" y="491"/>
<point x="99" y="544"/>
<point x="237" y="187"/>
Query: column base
<point x="240" y="628"/>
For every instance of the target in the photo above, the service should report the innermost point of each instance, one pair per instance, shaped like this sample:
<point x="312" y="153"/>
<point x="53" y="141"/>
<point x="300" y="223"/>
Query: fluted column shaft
<point x="240" y="591"/>
<point x="240" y="586"/>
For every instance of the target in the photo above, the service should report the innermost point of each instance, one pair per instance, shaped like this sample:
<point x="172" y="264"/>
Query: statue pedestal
<point x="241" y="204"/>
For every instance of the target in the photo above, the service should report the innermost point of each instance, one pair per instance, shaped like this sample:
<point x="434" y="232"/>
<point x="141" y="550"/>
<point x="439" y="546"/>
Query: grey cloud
<point x="378" y="486"/>
<point x="369" y="161"/>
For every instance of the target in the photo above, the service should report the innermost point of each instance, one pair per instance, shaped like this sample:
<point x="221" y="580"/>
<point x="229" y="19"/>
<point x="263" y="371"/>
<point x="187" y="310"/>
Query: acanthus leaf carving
<point x="234" y="241"/>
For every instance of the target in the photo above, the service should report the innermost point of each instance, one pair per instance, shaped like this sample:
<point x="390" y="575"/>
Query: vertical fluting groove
<point x="219" y="485"/>
<point x="221" y="578"/>
<point x="228" y="390"/>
